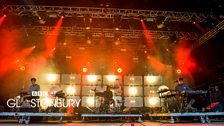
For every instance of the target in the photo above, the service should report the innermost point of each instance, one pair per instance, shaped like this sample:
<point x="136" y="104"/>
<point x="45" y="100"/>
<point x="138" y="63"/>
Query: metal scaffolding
<point x="106" y="12"/>
<point x="111" y="33"/>
<point x="209" y="34"/>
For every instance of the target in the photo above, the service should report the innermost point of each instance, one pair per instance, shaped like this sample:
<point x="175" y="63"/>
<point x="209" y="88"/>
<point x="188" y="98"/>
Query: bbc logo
<point x="39" y="93"/>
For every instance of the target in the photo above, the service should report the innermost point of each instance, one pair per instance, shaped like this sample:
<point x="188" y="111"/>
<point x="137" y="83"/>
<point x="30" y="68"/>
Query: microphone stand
<point x="95" y="94"/>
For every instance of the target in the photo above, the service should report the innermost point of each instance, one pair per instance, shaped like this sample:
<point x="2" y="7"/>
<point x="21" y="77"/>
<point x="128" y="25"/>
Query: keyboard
<point x="197" y="92"/>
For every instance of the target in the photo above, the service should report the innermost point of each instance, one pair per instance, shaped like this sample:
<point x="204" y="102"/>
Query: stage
<point x="112" y="62"/>
<point x="112" y="124"/>
<point x="202" y="117"/>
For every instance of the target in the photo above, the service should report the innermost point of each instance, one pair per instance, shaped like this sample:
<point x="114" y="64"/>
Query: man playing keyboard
<point x="182" y="88"/>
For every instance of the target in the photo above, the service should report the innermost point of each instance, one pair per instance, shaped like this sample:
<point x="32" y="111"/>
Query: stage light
<point x="51" y="77"/>
<point x="179" y="71"/>
<point x="41" y="21"/>
<point x="161" y="21"/>
<point x="72" y="77"/>
<point x="91" y="78"/>
<point x="88" y="28"/>
<point x="133" y="101"/>
<point x="199" y="26"/>
<point x="111" y="78"/>
<point x="88" y="41"/>
<point x="159" y="26"/>
<point x="117" y="42"/>
<point x="141" y="18"/>
<point x="151" y="79"/>
<point x="90" y="101"/>
<point x="117" y="29"/>
<point x="153" y="101"/>
<point x="5" y="15"/>
<point x="84" y="70"/>
<point x="132" y="78"/>
<point x="70" y="90"/>
<point x="22" y="68"/>
<point x="132" y="91"/>
<point x="119" y="70"/>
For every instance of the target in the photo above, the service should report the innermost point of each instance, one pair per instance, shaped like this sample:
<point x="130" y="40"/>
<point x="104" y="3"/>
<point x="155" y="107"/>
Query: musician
<point x="216" y="96"/>
<point x="182" y="87"/>
<point x="33" y="87"/>
<point x="33" y="92"/>
<point x="108" y="96"/>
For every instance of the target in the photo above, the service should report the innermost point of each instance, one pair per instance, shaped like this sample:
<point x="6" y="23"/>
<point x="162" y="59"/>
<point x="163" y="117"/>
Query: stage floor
<point x="113" y="124"/>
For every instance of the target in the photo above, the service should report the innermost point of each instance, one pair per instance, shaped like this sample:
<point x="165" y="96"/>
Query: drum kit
<point x="107" y="105"/>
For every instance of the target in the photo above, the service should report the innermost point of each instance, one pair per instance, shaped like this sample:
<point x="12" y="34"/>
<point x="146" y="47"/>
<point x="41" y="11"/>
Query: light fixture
<point x="119" y="70"/>
<point x="151" y="79"/>
<point x="111" y="78"/>
<point x="179" y="71"/>
<point x="153" y="101"/>
<point x="51" y="77"/>
<point x="84" y="69"/>
<point x="132" y="91"/>
<point x="91" y="78"/>
<point x="70" y="90"/>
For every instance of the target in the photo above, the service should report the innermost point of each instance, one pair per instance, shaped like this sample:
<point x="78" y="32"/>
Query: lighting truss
<point x="107" y="12"/>
<point x="110" y="33"/>
<point x="209" y="34"/>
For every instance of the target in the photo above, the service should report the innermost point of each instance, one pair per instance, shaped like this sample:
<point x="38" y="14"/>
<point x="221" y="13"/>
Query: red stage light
<point x="62" y="17"/>
<point x="179" y="71"/>
<point x="84" y="69"/>
<point x="199" y="26"/>
<point x="2" y="19"/>
<point x="5" y="15"/>
<point x="119" y="70"/>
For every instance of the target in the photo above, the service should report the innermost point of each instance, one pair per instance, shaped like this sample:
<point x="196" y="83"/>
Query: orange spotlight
<point x="22" y="68"/>
<point x="52" y="37"/>
<point x="119" y="70"/>
<point x="84" y="70"/>
<point x="179" y="71"/>
<point x="62" y="17"/>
